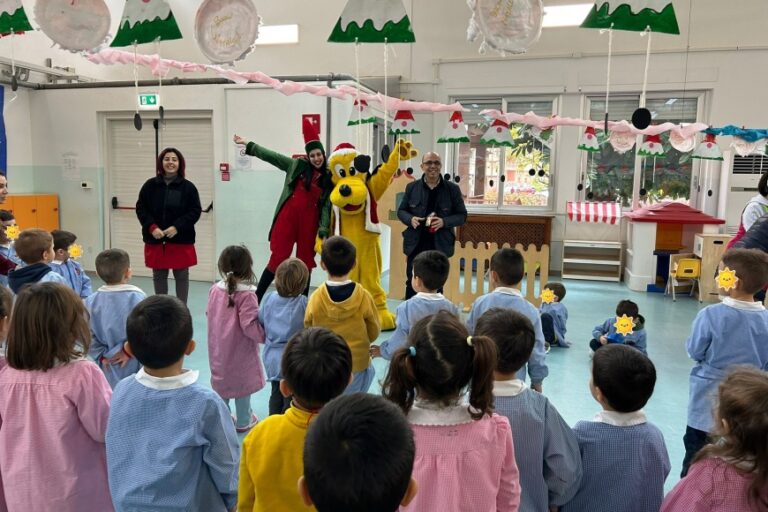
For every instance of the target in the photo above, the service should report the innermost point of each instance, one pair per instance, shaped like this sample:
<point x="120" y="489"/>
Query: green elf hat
<point x="311" y="136"/>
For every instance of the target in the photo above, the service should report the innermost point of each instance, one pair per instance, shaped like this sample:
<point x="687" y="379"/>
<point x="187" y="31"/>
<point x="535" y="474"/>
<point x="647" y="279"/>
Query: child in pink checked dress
<point x="234" y="334"/>
<point x="465" y="457"/>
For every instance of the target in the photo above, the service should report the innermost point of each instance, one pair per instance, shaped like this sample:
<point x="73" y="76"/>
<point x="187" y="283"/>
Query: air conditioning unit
<point x="738" y="184"/>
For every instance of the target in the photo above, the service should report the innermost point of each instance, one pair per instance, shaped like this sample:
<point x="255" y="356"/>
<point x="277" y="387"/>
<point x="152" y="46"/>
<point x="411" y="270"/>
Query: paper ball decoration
<point x="498" y="135"/>
<point x="511" y="26"/>
<point x="589" y="141"/>
<point x="226" y="30"/>
<point x="455" y="131"/>
<point x="373" y="21"/>
<point x="361" y="114"/>
<point x="652" y="147"/>
<point x="621" y="142"/>
<point x="13" y="18"/>
<point x="145" y="21"/>
<point x="75" y="25"/>
<point x="708" y="149"/>
<point x="403" y="124"/>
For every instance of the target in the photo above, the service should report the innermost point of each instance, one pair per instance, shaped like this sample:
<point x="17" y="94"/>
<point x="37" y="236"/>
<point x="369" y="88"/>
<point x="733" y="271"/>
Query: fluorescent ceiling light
<point x="278" y="34"/>
<point x="671" y="101"/>
<point x="566" y="15"/>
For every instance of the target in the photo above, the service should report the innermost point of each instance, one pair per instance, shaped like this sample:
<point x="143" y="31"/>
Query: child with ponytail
<point x="234" y="334"/>
<point x="465" y="458"/>
<point x="731" y="475"/>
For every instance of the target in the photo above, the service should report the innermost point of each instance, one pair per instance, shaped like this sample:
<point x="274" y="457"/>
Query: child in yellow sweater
<point x="346" y="308"/>
<point x="316" y="367"/>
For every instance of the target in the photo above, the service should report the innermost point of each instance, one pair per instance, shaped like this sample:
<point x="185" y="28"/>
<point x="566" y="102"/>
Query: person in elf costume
<point x="354" y="199"/>
<point x="303" y="212"/>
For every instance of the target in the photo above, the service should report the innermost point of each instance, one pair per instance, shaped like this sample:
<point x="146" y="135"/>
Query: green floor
<point x="589" y="304"/>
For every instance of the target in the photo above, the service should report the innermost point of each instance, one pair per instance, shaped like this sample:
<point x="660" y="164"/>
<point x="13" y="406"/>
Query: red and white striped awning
<point x="605" y="213"/>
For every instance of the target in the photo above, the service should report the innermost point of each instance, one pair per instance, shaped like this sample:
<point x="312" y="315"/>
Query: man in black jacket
<point x="431" y="207"/>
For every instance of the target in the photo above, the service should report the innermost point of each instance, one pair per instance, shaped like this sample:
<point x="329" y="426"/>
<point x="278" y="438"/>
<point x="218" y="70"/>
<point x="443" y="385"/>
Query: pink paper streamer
<point x="161" y="67"/>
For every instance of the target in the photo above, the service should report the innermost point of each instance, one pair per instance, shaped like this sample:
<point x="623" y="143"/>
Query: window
<point x="610" y="175"/>
<point x="502" y="178"/>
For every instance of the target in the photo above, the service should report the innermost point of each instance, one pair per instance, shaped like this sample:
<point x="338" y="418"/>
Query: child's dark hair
<point x="513" y="335"/>
<point x="338" y="256"/>
<point x="291" y="278"/>
<point x="762" y="185"/>
<point x="358" y="455"/>
<point x="625" y="376"/>
<point x="112" y="264"/>
<point x="6" y="302"/>
<point x="159" y="164"/>
<point x="751" y="267"/>
<point x="159" y="330"/>
<point x="742" y="403"/>
<point x="31" y="245"/>
<point x="627" y="307"/>
<point x="317" y="365"/>
<point x="62" y="239"/>
<point x="6" y="216"/>
<point x="446" y="361"/>
<point x="432" y="267"/>
<point x="235" y="265"/>
<point x="558" y="289"/>
<point x="49" y="325"/>
<point x="509" y="265"/>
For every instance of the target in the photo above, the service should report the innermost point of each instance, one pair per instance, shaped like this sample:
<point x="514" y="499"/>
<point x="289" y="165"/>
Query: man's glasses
<point x="436" y="163"/>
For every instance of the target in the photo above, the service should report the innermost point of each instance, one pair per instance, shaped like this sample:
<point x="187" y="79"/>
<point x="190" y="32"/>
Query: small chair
<point x="686" y="269"/>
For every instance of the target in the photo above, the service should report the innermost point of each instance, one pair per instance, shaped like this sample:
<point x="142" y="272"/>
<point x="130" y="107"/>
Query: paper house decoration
<point x="456" y="131"/>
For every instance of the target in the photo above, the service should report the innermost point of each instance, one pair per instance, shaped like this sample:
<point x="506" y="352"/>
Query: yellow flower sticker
<point x="12" y="232"/>
<point x="547" y="296"/>
<point x="727" y="279"/>
<point x="624" y="325"/>
<point x="75" y="251"/>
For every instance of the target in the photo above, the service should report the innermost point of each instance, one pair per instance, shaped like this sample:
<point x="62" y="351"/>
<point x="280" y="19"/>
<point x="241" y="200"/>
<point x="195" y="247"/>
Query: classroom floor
<point x="589" y="303"/>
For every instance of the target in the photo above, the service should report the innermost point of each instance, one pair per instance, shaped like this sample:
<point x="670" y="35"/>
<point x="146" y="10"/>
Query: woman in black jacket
<point x="168" y="208"/>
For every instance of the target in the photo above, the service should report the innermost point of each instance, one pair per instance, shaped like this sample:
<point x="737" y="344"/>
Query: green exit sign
<point x="149" y="101"/>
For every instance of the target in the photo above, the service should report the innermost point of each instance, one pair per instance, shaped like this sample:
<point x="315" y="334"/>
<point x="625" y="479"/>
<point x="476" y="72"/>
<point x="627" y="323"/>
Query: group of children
<point x="457" y="427"/>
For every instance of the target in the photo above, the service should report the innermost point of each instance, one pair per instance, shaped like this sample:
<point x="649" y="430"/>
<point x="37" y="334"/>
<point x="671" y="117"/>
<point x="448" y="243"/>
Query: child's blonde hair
<point x="291" y="278"/>
<point x="49" y="326"/>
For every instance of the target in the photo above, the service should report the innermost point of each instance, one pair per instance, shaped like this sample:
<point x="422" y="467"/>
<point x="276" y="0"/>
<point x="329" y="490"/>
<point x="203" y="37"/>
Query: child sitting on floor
<point x="623" y="456"/>
<point x="430" y="272"/>
<point x="606" y="333"/>
<point x="506" y="272"/>
<point x="546" y="450"/>
<point x="554" y="316"/>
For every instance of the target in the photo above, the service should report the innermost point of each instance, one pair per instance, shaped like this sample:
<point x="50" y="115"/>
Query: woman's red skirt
<point x="169" y="256"/>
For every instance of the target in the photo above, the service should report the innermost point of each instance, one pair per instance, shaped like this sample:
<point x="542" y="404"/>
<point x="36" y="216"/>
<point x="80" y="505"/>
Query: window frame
<point x="500" y="207"/>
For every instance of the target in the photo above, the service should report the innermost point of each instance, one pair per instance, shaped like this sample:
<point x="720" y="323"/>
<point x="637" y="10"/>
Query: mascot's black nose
<point x="345" y="191"/>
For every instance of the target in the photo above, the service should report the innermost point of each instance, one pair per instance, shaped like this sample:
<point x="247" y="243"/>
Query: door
<point x="131" y="162"/>
<point x="48" y="212"/>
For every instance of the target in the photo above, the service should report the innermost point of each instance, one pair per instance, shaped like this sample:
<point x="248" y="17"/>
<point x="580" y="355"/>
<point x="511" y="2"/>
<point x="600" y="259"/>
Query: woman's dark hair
<point x="446" y="361"/>
<point x="762" y="185"/>
<point x="6" y="302"/>
<point x="742" y="403"/>
<point x="49" y="325"/>
<point x="235" y="264"/>
<point x="159" y="164"/>
<point x="309" y="172"/>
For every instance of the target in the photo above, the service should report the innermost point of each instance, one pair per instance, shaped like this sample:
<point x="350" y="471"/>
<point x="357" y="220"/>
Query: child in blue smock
<point x="554" y="316"/>
<point x="506" y="272"/>
<point x="282" y="316"/>
<point x="623" y="456"/>
<point x="430" y="272"/>
<point x="546" y="450"/>
<point x="109" y="308"/>
<point x="72" y="272"/>
<point x="734" y="332"/>
<point x="606" y="333"/>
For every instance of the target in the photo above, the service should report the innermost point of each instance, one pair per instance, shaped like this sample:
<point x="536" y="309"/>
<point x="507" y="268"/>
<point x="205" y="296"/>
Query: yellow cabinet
<point x="34" y="211"/>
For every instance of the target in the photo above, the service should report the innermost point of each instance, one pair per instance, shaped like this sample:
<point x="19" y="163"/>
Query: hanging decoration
<point x="507" y="26"/>
<point x="633" y="15"/>
<point x="226" y="30"/>
<point x="546" y="137"/>
<point x="404" y="124"/>
<point x="361" y="114"/>
<point x="683" y="144"/>
<point x="708" y="149"/>
<point x="455" y="131"/>
<point x="145" y="21"/>
<point x="75" y="25"/>
<point x="498" y="135"/>
<point x="13" y="18"/>
<point x="744" y="147"/>
<point x="589" y="141"/>
<point x="652" y="147"/>
<point x="373" y="21"/>
<point x="748" y="134"/>
<point x="621" y="141"/>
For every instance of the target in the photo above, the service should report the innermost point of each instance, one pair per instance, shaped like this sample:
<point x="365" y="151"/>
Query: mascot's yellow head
<point x="349" y="172"/>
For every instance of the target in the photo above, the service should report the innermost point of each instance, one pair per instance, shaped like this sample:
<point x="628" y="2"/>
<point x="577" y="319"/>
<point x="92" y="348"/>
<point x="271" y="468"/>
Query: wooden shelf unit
<point x="592" y="260"/>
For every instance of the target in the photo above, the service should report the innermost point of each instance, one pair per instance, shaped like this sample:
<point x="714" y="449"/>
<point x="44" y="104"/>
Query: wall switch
<point x="86" y="184"/>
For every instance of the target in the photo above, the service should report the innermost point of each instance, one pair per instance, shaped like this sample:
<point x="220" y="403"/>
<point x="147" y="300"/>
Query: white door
<point x="131" y="162"/>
